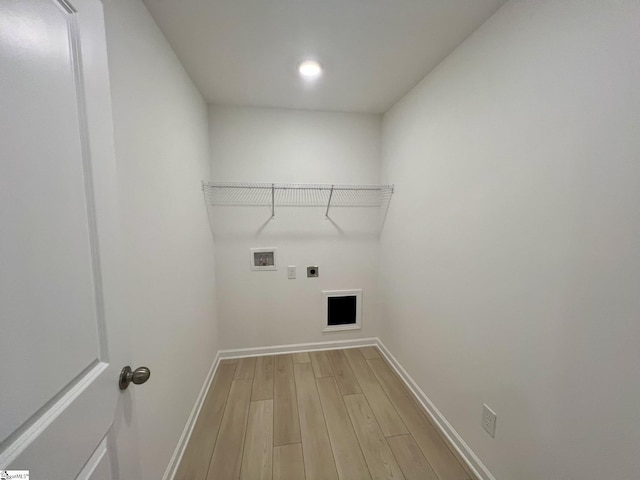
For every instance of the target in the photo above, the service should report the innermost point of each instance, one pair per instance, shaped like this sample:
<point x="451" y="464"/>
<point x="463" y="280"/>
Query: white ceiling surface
<point x="246" y="52"/>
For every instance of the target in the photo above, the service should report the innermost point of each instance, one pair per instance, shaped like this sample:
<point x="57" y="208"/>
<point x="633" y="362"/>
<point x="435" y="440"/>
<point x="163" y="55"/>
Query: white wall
<point x="162" y="153"/>
<point x="272" y="145"/>
<point x="510" y="253"/>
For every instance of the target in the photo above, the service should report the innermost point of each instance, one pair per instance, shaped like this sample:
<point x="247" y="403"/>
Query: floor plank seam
<point x="287" y="444"/>
<point x="273" y="419"/>
<point x="246" y="425"/>
<point x="429" y="456"/>
<point x="304" y="464"/>
<point x="398" y="435"/>
<point x="354" y="431"/>
<point x="367" y="397"/>
<point x="226" y="400"/>
<point x="295" y="389"/>
<point x="324" y="417"/>
<point x="386" y="439"/>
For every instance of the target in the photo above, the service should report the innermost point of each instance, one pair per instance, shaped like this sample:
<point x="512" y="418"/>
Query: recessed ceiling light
<point x="310" y="69"/>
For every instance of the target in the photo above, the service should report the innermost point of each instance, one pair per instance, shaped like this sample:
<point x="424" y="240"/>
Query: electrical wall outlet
<point x="313" y="271"/>
<point x="291" y="272"/>
<point x="489" y="420"/>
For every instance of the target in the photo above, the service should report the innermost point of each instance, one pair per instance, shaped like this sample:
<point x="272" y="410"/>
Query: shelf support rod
<point x="326" y="214"/>
<point x="273" y="200"/>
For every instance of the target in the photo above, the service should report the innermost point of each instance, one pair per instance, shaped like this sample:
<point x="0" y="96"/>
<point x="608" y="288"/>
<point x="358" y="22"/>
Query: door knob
<point x="137" y="376"/>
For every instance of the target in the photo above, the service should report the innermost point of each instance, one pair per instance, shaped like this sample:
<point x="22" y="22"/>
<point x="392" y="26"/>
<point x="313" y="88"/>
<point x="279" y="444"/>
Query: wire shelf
<point x="296" y="194"/>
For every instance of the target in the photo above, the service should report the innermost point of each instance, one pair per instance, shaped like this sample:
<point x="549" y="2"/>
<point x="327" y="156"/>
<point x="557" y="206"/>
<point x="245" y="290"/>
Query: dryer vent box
<point x="343" y="310"/>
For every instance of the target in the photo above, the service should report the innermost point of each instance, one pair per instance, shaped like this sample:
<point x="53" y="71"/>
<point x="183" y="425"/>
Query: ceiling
<point x="246" y="52"/>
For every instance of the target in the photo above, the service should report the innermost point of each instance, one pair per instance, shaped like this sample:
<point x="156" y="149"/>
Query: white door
<point x="62" y="342"/>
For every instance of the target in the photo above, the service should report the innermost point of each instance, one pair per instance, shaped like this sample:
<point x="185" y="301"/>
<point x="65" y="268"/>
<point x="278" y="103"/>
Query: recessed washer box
<point x="263" y="258"/>
<point x="342" y="310"/>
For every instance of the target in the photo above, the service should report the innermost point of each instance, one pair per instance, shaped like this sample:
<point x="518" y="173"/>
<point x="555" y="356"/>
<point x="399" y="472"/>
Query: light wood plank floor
<point x="331" y="415"/>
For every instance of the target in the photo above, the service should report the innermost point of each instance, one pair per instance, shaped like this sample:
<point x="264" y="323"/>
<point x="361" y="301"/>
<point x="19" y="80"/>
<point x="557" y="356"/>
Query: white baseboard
<point x="438" y="419"/>
<point x="172" y="468"/>
<point x="296" y="348"/>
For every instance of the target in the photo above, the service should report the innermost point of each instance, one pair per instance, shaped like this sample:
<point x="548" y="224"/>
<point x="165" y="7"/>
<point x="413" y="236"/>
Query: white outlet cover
<point x="291" y="272"/>
<point x="489" y="420"/>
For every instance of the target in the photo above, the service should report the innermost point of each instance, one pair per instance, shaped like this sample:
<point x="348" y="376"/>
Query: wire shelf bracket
<point x="326" y="214"/>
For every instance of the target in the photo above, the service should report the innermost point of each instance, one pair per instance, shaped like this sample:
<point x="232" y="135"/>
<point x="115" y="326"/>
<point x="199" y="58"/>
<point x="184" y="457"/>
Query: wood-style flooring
<point x="328" y="415"/>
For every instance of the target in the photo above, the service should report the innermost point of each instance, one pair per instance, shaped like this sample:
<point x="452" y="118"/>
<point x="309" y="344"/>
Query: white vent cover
<point x="342" y="310"/>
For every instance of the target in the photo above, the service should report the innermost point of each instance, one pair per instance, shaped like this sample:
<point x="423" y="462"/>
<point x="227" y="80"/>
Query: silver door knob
<point x="137" y="376"/>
